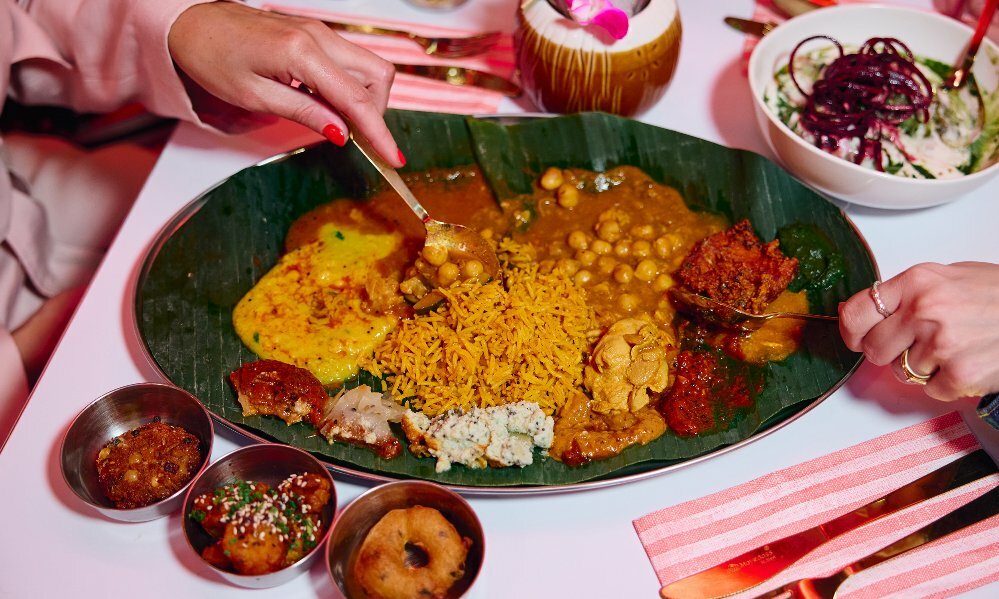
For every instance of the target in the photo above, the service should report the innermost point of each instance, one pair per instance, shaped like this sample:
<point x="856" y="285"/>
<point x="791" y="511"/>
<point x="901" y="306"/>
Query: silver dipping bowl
<point x="267" y="463"/>
<point x="115" y="413"/>
<point x="354" y="522"/>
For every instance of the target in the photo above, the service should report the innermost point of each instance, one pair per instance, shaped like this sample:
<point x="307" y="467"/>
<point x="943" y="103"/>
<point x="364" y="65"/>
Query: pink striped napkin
<point x="767" y="12"/>
<point x="418" y="93"/>
<point x="698" y="534"/>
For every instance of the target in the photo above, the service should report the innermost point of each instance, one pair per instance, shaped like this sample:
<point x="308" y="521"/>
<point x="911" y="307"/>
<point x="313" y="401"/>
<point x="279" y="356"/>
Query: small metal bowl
<point x="267" y="463"/>
<point x="353" y="523"/>
<point x="118" y="412"/>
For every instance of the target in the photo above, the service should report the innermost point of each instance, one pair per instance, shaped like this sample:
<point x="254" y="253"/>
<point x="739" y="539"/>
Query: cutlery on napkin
<point x="413" y="92"/>
<point x="757" y="565"/>
<point x="827" y="587"/>
<point x="696" y="535"/>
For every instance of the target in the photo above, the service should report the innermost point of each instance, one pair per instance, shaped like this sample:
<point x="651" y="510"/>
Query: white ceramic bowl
<point x="927" y="34"/>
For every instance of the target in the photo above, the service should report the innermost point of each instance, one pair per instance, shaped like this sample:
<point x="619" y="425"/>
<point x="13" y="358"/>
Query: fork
<point x="985" y="506"/>
<point x="444" y="47"/>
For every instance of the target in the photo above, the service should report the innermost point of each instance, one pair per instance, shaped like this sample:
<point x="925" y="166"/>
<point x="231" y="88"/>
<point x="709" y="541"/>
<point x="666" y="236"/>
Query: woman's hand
<point x="946" y="316"/>
<point x="249" y="58"/>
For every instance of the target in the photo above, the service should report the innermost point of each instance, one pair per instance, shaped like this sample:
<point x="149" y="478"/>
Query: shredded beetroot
<point x="864" y="95"/>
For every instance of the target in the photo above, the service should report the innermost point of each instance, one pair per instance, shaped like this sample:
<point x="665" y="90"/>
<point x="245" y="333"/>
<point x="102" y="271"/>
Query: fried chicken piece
<point x="254" y="548"/>
<point x="212" y="509"/>
<point x="313" y="490"/>
<point x="734" y="266"/>
<point x="273" y="388"/>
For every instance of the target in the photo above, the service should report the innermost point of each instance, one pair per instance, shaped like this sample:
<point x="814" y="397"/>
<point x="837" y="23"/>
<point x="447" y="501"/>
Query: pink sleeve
<point x="13" y="384"/>
<point x="113" y="52"/>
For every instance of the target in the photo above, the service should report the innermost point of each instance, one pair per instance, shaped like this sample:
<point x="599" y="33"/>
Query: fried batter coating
<point x="381" y="568"/>
<point x="273" y="388"/>
<point x="313" y="491"/>
<point x="254" y="548"/>
<point x="212" y="508"/>
<point x="147" y="463"/>
<point x="734" y="266"/>
<point x="260" y="529"/>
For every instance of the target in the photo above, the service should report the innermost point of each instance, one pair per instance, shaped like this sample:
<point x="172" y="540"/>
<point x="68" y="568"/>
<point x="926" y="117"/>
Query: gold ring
<point x="876" y="296"/>
<point x="911" y="376"/>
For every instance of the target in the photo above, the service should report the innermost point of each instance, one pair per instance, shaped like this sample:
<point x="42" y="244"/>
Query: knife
<point x="750" y="27"/>
<point x="973" y="512"/>
<point x="460" y="76"/>
<point x="756" y="566"/>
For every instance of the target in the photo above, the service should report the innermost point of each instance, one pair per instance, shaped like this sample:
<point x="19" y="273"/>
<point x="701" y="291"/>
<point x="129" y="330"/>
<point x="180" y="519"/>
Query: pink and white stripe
<point x="696" y="535"/>
<point x="410" y="92"/>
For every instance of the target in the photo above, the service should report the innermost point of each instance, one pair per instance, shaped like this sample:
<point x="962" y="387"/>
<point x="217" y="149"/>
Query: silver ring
<point x="876" y="296"/>
<point x="911" y="376"/>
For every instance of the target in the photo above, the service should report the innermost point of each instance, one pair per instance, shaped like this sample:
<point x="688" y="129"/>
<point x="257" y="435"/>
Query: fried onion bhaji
<point x="734" y="266"/>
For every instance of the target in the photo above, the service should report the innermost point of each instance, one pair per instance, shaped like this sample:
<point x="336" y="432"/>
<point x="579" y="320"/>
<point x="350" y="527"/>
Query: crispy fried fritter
<point x="734" y="266"/>
<point x="260" y="529"/>
<point x="270" y="387"/>
<point x="312" y="489"/>
<point x="381" y="568"/>
<point x="147" y="464"/>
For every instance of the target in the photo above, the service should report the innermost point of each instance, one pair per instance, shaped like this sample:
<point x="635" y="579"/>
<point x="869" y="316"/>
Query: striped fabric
<point x="766" y="12"/>
<point x="410" y="92"/>
<point x="696" y="535"/>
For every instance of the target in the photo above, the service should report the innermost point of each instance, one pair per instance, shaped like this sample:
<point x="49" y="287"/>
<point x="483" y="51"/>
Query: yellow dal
<point x="308" y="309"/>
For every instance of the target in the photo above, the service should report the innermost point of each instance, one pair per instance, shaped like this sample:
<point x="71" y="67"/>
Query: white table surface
<point x="578" y="544"/>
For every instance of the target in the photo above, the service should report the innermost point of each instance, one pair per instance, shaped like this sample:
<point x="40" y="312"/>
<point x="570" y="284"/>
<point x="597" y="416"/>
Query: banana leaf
<point x="224" y="241"/>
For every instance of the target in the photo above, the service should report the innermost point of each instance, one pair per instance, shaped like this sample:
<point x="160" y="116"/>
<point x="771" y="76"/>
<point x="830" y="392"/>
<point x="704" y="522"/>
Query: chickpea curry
<point x="622" y="240"/>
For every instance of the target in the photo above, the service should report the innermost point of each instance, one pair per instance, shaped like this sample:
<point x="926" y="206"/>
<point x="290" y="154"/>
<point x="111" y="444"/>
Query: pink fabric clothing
<point x="92" y="56"/>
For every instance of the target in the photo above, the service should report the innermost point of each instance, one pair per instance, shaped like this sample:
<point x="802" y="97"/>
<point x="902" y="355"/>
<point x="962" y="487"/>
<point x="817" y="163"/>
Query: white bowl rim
<point x="816" y="15"/>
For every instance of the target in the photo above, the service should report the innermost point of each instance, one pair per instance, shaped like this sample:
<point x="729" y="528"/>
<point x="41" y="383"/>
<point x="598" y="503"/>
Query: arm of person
<point x="95" y="55"/>
<point x="946" y="317"/>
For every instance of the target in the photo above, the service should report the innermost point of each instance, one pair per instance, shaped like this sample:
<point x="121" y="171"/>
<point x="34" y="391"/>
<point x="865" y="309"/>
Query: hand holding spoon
<point x="463" y="245"/>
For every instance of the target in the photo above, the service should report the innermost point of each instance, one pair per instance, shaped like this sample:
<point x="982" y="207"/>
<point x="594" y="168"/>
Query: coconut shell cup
<point x="566" y="67"/>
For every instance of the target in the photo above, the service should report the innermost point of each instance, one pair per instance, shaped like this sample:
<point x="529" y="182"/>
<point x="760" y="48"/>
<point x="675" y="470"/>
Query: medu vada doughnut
<point x="385" y="568"/>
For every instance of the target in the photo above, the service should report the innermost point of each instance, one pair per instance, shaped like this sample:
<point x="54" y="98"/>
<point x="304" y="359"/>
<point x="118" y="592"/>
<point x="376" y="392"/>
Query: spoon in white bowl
<point x="959" y="113"/>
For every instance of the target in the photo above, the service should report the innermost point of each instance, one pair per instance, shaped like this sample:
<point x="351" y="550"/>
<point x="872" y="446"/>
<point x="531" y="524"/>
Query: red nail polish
<point x="334" y="134"/>
<point x="402" y="158"/>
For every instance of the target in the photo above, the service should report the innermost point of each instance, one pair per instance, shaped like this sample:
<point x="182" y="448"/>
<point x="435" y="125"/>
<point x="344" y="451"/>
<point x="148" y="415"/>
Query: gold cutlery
<point x="460" y="76"/>
<point x="727" y="316"/>
<point x="793" y="8"/>
<point x="750" y="27"/>
<point x="444" y="47"/>
<point x="980" y="509"/>
<point x="754" y="567"/>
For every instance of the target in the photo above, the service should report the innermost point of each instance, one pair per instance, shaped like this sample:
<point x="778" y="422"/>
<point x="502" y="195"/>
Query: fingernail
<point x="402" y="158"/>
<point x="334" y="134"/>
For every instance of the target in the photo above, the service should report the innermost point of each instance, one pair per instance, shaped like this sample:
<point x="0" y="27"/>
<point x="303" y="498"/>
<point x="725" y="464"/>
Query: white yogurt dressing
<point x="913" y="149"/>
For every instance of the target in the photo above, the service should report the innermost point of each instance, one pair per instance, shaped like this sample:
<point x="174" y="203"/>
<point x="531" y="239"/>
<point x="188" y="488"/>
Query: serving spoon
<point x="950" y="103"/>
<point x="728" y="316"/>
<point x="456" y="239"/>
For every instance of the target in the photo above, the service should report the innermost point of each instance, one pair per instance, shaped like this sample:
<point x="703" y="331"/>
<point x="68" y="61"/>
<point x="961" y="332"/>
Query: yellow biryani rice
<point x="520" y="340"/>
